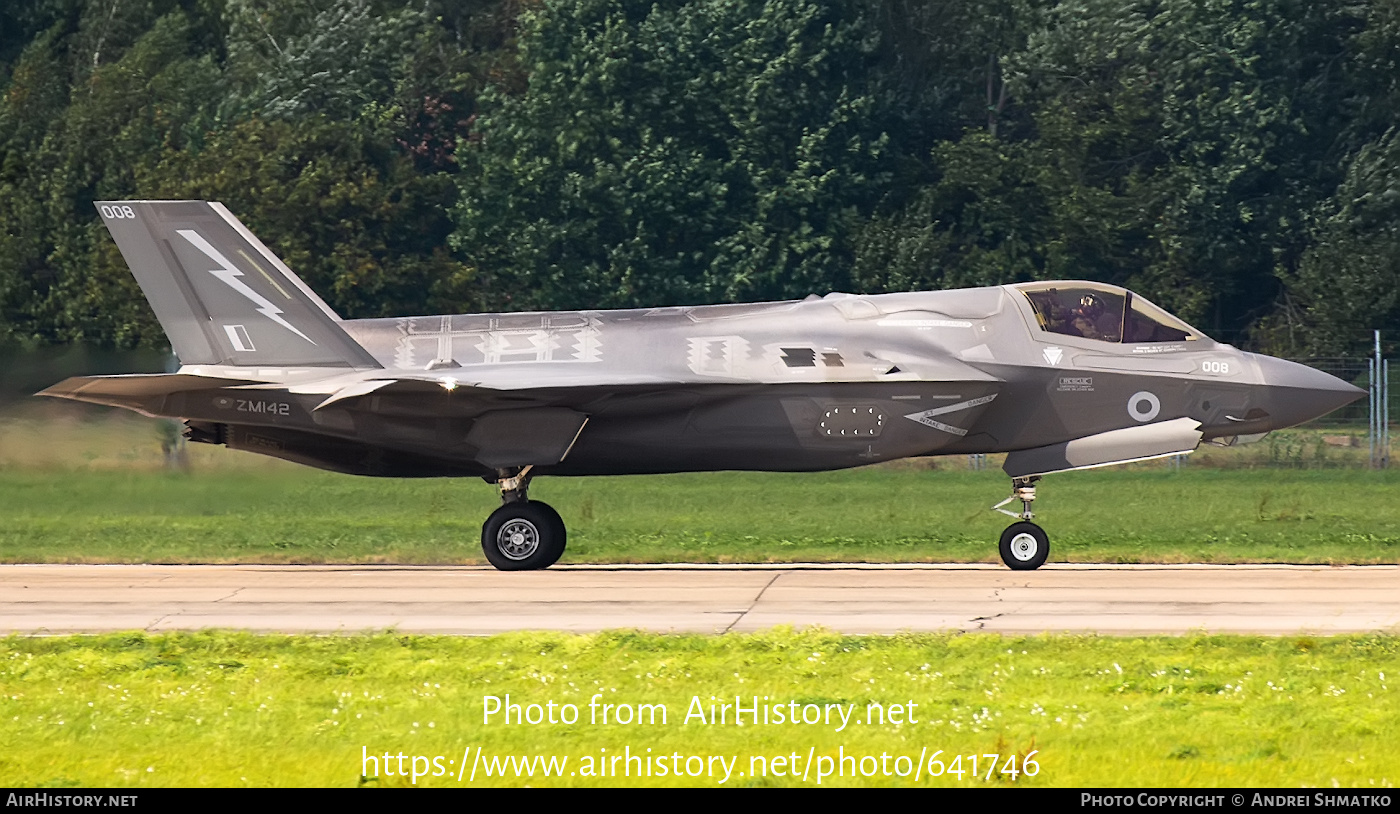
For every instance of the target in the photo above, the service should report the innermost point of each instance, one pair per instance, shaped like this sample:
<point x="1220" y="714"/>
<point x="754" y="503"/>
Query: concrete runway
<point x="1106" y="599"/>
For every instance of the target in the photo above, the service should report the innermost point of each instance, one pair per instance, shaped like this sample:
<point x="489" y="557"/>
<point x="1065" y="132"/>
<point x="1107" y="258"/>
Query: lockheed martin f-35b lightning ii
<point x="1057" y="375"/>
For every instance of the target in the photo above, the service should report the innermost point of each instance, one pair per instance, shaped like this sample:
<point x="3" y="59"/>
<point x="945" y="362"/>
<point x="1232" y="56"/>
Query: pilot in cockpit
<point x="1092" y="321"/>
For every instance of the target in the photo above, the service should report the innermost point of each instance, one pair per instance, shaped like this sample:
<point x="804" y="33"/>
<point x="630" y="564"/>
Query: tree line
<point x="1236" y="161"/>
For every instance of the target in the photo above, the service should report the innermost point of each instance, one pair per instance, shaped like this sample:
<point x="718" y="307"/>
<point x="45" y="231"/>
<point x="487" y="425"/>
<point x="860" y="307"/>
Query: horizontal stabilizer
<point x="1175" y="437"/>
<point x="133" y="391"/>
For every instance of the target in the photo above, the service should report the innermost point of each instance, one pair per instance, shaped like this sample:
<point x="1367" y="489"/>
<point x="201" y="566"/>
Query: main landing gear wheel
<point x="523" y="536"/>
<point x="1024" y="546"/>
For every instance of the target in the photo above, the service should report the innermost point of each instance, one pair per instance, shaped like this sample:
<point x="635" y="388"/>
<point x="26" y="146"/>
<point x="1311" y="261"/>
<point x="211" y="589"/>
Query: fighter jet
<point x="1058" y="375"/>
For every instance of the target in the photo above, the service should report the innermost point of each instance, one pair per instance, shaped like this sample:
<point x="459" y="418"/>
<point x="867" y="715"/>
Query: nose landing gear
<point x="1024" y="545"/>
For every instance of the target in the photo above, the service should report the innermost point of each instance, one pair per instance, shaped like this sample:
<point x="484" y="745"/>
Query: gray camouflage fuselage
<point x="810" y="385"/>
<point x="1047" y="371"/>
<point x="1058" y="375"/>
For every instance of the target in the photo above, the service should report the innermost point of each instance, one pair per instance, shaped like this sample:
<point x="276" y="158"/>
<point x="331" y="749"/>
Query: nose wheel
<point x="1024" y="545"/>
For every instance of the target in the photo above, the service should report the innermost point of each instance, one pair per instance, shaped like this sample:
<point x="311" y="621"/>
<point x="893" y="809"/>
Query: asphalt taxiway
<point x="1101" y="599"/>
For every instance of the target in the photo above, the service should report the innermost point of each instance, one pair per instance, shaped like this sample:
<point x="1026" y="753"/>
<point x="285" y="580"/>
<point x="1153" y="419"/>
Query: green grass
<point x="290" y="514"/>
<point x="218" y="708"/>
<point x="84" y="485"/>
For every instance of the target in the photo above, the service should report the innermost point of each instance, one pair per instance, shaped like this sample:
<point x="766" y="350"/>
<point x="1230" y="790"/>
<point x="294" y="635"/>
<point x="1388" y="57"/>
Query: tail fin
<point x="223" y="297"/>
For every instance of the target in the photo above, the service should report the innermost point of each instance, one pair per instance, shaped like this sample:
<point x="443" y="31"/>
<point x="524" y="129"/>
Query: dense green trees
<point x="327" y="125"/>
<point x="1348" y="279"/>
<point x="676" y="152"/>
<point x="1237" y="161"/>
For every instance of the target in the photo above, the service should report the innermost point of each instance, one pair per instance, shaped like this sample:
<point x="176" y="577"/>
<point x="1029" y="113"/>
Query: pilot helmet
<point x="1090" y="305"/>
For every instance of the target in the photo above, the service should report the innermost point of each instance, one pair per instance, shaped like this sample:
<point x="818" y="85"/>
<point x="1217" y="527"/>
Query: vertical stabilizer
<point x="222" y="296"/>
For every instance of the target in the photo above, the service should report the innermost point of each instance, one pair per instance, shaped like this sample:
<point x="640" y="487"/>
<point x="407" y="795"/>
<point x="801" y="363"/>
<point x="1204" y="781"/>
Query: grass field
<point x="74" y="489"/>
<point x="284" y="514"/>
<point x="234" y="709"/>
<point x="223" y="709"/>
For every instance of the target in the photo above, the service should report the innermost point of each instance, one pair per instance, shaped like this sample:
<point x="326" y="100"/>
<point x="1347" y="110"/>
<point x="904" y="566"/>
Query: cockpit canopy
<point x="1104" y="313"/>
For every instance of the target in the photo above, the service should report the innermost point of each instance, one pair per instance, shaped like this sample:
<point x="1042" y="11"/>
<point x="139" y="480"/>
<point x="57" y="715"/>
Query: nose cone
<point x="1297" y="393"/>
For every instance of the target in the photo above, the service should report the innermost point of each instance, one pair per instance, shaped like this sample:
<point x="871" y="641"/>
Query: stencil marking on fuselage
<point x="926" y="417"/>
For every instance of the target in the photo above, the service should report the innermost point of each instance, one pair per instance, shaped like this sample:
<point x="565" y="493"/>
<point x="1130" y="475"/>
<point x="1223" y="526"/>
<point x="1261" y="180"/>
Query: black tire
<point x="523" y="536"/>
<point x="1024" y="546"/>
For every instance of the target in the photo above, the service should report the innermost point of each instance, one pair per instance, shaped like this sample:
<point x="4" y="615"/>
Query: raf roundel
<point x="1144" y="406"/>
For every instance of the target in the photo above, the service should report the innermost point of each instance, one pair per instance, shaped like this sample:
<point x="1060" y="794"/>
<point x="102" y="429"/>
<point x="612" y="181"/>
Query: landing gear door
<point x="531" y="437"/>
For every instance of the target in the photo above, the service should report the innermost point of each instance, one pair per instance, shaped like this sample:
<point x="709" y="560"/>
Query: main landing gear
<point x="1024" y="545"/>
<point x="524" y="534"/>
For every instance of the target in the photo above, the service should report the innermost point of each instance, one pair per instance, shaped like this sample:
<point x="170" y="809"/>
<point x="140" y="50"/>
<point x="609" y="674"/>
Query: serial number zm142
<point x="254" y="406"/>
<point x="265" y="407"/>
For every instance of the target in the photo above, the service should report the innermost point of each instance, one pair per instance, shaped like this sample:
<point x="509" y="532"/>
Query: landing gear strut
<point x="1024" y="545"/>
<point x="524" y="534"/>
